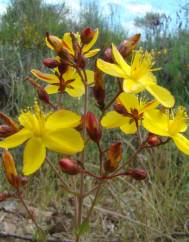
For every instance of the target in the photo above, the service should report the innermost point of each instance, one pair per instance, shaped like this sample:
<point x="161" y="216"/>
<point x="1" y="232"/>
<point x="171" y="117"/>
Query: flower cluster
<point x="64" y="132"/>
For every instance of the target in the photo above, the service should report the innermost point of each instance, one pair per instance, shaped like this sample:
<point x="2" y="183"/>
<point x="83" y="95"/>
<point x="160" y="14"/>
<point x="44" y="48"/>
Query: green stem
<point x="80" y="197"/>
<point x="65" y="186"/>
<point x="29" y="213"/>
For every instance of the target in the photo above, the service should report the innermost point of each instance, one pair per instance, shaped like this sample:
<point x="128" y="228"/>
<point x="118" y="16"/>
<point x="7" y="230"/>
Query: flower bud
<point x="55" y="42"/>
<point x="42" y="94"/>
<point x="50" y="62"/>
<point x="9" y="122"/>
<point x="11" y="172"/>
<point x="115" y="156"/>
<point x="153" y="139"/>
<point x="87" y="35"/>
<point x="108" y="55"/>
<point x="118" y="107"/>
<point x="93" y="127"/>
<point x="6" y="130"/>
<point x="9" y="166"/>
<point x="5" y="195"/>
<point x="126" y="47"/>
<point x="70" y="166"/>
<point x="137" y="173"/>
<point x="99" y="89"/>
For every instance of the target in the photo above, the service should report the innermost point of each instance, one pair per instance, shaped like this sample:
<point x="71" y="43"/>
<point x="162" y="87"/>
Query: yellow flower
<point x="138" y="76"/>
<point x="129" y="113"/>
<point x="54" y="131"/>
<point x="164" y="124"/>
<point x="68" y="45"/>
<point x="71" y="81"/>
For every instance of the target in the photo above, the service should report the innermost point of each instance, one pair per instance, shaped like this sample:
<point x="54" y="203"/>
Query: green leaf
<point x="83" y="228"/>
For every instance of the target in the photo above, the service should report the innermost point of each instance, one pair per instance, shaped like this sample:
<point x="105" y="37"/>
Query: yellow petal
<point x="129" y="101"/>
<point x="16" y="139"/>
<point x="91" y="43"/>
<point x="148" y="79"/>
<point x="90" y="76"/>
<point x="51" y="89"/>
<point x="182" y="143"/>
<point x="66" y="141"/>
<point x="111" y="69"/>
<point x="62" y="119"/>
<point x="113" y="120"/>
<point x="156" y="122"/>
<point x="129" y="128"/>
<point x="91" y="53"/>
<point x="34" y="155"/>
<point x="120" y="61"/>
<point x="131" y="86"/>
<point x="76" y="88"/>
<point x="69" y="74"/>
<point x="162" y="95"/>
<point x="149" y="105"/>
<point x="67" y="43"/>
<point x="49" y="78"/>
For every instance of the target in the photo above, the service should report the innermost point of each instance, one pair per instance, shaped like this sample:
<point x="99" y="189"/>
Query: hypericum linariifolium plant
<point x="66" y="133"/>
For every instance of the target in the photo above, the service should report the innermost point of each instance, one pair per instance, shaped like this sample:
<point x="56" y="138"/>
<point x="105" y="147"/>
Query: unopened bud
<point x="126" y="47"/>
<point x="99" y="89"/>
<point x="93" y="127"/>
<point x="9" y="121"/>
<point x="6" y="130"/>
<point x="137" y="173"/>
<point x="62" y="68"/>
<point x="70" y="166"/>
<point x="108" y="55"/>
<point x="5" y="195"/>
<point x="118" y="107"/>
<point x="115" y="156"/>
<point x="153" y="139"/>
<point x="87" y="35"/>
<point x="55" y="42"/>
<point x="42" y="94"/>
<point x="9" y="166"/>
<point x="50" y="62"/>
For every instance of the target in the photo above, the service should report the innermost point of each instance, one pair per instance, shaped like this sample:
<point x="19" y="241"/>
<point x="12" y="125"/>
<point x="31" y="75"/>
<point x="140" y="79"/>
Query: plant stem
<point x="29" y="212"/>
<point x="65" y="186"/>
<point x="80" y="197"/>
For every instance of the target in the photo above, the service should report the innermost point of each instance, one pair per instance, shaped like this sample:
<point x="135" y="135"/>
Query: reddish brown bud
<point x="87" y="35"/>
<point x="115" y="156"/>
<point x="99" y="89"/>
<point x="118" y="107"/>
<point x="55" y="42"/>
<point x="108" y="55"/>
<point x="42" y="94"/>
<point x="9" y="122"/>
<point x="93" y="127"/>
<point x="153" y="139"/>
<point x="50" y="62"/>
<point x="5" y="195"/>
<point x="137" y="173"/>
<point x="70" y="166"/>
<point x="126" y="47"/>
<point x="6" y="130"/>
